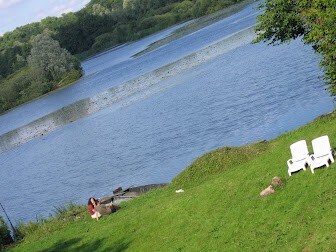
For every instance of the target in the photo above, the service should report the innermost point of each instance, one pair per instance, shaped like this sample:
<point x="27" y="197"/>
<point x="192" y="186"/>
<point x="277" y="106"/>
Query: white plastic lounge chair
<point x="322" y="153"/>
<point x="300" y="157"/>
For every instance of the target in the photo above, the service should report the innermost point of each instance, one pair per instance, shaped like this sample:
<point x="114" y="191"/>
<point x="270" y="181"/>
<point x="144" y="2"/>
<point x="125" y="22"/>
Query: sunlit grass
<point x="220" y="209"/>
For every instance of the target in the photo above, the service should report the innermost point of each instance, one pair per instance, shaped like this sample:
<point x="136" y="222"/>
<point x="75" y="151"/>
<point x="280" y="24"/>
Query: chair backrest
<point x="321" y="146"/>
<point x="299" y="150"/>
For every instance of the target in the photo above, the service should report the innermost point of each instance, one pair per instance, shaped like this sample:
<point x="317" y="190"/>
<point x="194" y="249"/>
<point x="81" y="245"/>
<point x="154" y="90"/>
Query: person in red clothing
<point x="92" y="203"/>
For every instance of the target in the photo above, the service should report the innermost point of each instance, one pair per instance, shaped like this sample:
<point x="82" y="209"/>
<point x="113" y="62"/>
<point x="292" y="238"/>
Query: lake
<point x="240" y="94"/>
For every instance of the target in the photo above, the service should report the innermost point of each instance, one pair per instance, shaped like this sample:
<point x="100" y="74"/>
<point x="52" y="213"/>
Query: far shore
<point x="190" y="27"/>
<point x="125" y="93"/>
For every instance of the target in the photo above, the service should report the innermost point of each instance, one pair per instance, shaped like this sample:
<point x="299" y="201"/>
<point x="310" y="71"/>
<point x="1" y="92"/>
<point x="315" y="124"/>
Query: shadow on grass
<point x="76" y="245"/>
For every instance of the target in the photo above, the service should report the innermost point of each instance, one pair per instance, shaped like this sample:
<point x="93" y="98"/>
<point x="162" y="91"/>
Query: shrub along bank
<point x="220" y="208"/>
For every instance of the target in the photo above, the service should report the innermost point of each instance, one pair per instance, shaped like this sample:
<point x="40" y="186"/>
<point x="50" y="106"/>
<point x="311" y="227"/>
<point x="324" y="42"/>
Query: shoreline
<point x="194" y="25"/>
<point x="233" y="176"/>
<point x="201" y="23"/>
<point x="197" y="24"/>
<point x="125" y="93"/>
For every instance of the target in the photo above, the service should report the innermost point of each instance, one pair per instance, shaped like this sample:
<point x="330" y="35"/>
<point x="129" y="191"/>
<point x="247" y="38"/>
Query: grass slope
<point x="220" y="210"/>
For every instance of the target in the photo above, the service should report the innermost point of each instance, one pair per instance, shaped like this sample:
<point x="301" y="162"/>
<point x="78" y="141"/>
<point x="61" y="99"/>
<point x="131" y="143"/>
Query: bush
<point x="5" y="237"/>
<point x="156" y="23"/>
<point x="22" y="86"/>
<point x="183" y="10"/>
<point x="105" y="40"/>
<point x="28" y="83"/>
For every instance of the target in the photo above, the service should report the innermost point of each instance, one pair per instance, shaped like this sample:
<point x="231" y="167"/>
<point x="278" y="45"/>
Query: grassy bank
<point x="220" y="210"/>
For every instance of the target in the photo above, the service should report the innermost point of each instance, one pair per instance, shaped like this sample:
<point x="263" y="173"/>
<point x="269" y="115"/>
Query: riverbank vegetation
<point x="313" y="21"/>
<point x="100" y="25"/>
<point x="47" y="67"/>
<point x="220" y="208"/>
<point x="5" y="235"/>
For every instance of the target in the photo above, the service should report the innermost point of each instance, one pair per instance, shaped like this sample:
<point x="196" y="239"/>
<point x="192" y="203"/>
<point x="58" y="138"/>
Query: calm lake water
<point x="252" y="93"/>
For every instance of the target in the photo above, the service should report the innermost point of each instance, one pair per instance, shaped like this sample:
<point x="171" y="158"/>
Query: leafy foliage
<point x="5" y="237"/>
<point x="44" y="69"/>
<point x="284" y="20"/>
<point x="29" y="83"/>
<point x="102" y="24"/>
<point x="52" y="60"/>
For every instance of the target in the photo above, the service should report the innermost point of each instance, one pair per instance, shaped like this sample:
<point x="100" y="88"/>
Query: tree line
<point x="37" y="58"/>
<point x="101" y="24"/>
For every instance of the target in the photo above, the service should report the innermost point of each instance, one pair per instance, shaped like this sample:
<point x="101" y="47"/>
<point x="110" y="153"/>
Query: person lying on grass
<point x="92" y="203"/>
<point x="96" y="210"/>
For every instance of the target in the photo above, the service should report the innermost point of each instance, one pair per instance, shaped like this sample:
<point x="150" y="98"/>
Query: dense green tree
<point x="182" y="10"/>
<point x="119" y="20"/>
<point x="100" y="10"/>
<point x="313" y="21"/>
<point x="47" y="55"/>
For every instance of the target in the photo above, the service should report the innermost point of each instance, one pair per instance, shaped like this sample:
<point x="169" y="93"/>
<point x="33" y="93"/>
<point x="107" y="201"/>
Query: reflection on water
<point x="252" y="93"/>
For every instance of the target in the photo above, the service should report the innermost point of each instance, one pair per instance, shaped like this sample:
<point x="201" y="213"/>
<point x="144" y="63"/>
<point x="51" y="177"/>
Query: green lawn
<point x="220" y="210"/>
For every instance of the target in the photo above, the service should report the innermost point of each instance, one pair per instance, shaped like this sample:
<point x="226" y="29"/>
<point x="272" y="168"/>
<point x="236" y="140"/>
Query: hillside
<point x="220" y="210"/>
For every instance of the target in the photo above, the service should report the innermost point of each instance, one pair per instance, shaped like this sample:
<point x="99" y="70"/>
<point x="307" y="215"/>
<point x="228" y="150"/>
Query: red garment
<point x="90" y="208"/>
